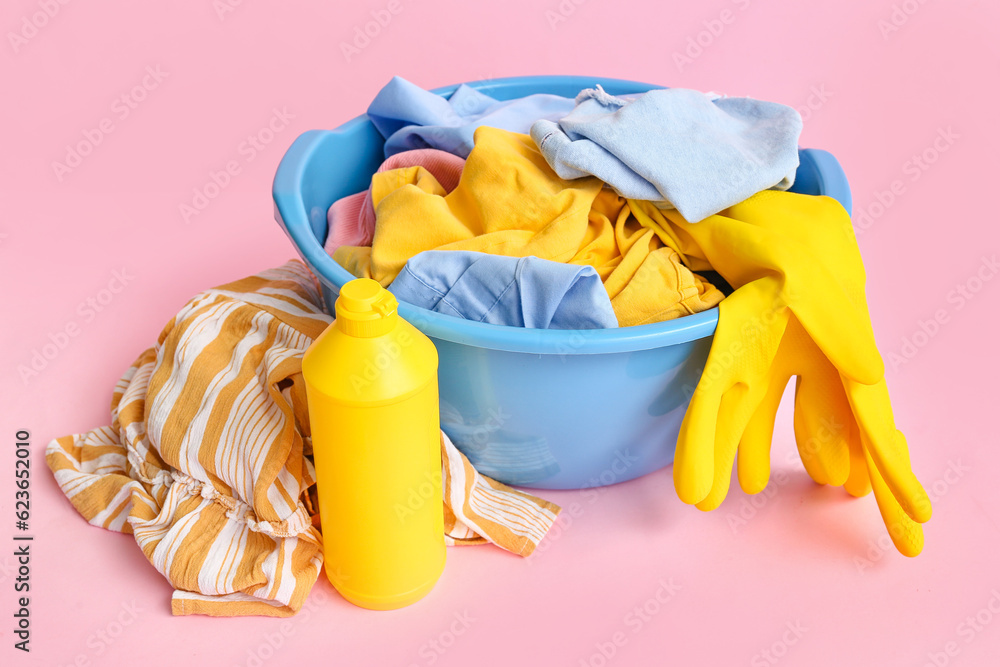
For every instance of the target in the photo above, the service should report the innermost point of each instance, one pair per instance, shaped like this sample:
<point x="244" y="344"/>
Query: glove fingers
<point x="822" y="427"/>
<point x="731" y="354"/>
<point x="694" y="458"/>
<point x="858" y="484"/>
<point x="754" y="453"/>
<point x="822" y="414"/>
<point x="734" y="413"/>
<point x="887" y="447"/>
<point x="906" y="534"/>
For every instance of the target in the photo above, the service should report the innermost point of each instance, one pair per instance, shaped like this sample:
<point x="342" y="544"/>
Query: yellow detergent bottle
<point x="371" y="382"/>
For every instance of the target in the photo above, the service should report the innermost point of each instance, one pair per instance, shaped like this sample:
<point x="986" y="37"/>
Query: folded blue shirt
<point x="410" y="117"/>
<point x="679" y="148"/>
<point x="515" y="291"/>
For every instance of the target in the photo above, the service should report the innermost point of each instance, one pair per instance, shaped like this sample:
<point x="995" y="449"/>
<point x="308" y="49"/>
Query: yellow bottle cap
<point x="365" y="309"/>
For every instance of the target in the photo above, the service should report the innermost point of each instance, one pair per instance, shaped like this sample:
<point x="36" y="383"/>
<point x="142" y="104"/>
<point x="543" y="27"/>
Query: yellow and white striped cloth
<point x="207" y="458"/>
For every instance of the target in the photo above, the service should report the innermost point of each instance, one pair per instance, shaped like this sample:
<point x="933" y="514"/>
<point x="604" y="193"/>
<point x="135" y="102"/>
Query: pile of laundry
<point x="472" y="217"/>
<point x="608" y="211"/>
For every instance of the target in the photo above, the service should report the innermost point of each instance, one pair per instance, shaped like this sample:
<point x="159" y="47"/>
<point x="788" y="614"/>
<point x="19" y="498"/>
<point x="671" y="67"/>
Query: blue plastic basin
<point x="544" y="409"/>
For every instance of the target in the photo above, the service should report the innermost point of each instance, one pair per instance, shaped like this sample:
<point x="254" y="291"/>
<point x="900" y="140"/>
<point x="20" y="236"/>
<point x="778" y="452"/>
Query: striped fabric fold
<point x="479" y="509"/>
<point x="207" y="461"/>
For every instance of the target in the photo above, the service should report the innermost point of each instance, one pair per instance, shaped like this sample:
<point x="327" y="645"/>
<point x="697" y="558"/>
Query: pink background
<point x="806" y="557"/>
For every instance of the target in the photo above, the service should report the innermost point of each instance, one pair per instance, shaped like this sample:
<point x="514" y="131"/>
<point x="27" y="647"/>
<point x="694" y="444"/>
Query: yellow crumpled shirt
<point x="510" y="202"/>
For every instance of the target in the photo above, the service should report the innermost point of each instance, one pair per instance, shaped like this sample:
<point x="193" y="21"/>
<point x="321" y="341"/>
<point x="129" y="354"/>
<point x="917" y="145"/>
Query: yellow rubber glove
<point x="768" y="269"/>
<point x="844" y="429"/>
<point x="800" y="281"/>
<point x="845" y="435"/>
